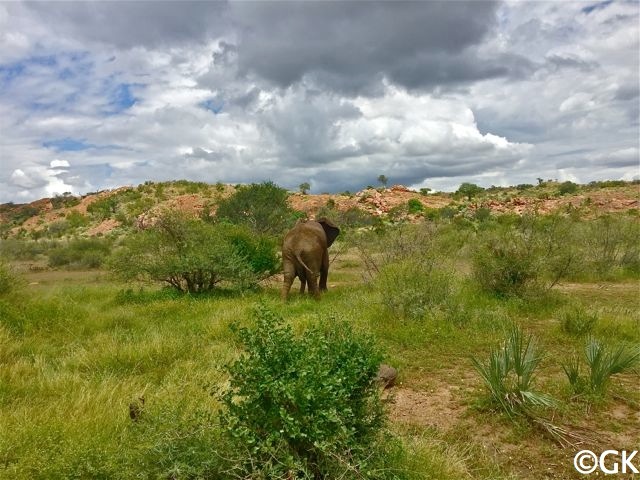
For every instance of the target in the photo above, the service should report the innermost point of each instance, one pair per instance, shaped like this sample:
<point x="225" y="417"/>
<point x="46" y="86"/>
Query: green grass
<point x="75" y="353"/>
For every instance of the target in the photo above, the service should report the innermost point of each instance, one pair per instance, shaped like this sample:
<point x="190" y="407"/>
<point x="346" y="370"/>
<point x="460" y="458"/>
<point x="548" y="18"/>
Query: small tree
<point x="469" y="190"/>
<point x="192" y="256"/>
<point x="383" y="180"/>
<point x="262" y="207"/>
<point x="567" y="188"/>
<point x="304" y="187"/>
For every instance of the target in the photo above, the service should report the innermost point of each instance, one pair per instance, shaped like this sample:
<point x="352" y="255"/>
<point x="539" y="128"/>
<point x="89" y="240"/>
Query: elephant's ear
<point x="330" y="230"/>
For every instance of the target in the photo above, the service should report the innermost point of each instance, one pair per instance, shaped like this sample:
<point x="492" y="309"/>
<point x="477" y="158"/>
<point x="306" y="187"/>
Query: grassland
<point x="113" y="380"/>
<point x="76" y="349"/>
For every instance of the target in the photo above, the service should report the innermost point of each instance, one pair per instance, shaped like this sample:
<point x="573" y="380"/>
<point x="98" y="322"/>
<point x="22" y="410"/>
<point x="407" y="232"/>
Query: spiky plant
<point x="509" y="373"/>
<point x="603" y="363"/>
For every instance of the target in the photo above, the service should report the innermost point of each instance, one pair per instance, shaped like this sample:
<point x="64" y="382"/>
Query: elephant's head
<point x="330" y="230"/>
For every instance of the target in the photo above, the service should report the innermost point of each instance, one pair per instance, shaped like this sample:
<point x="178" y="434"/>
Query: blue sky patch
<point x="67" y="145"/>
<point x="597" y="6"/>
<point x="120" y="96"/>
<point x="213" y="105"/>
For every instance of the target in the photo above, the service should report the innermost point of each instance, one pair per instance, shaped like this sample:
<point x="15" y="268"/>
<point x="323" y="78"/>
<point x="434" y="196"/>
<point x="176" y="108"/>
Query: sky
<point x="97" y="95"/>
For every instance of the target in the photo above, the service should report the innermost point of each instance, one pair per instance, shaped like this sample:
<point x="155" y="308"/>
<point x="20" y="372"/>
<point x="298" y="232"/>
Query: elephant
<point x="305" y="255"/>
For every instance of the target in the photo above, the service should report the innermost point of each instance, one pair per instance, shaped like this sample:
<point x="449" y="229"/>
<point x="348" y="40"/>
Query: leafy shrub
<point x="525" y="255"/>
<point x="103" y="208"/>
<point x="610" y="244"/>
<point x="505" y="265"/>
<point x="193" y="256"/>
<point x="577" y="321"/>
<point x="602" y="363"/>
<point x="567" y="188"/>
<point x="65" y="200"/>
<point x="257" y="250"/>
<point x="413" y="287"/>
<point x="80" y="253"/>
<point x="414" y="206"/>
<point x="509" y="374"/>
<point x="482" y="214"/>
<point x="262" y="207"/>
<point x="76" y="219"/>
<point x="20" y="249"/>
<point x="8" y="280"/>
<point x="303" y="407"/>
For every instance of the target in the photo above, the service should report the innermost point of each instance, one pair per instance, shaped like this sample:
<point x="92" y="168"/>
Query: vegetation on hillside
<point x="118" y="377"/>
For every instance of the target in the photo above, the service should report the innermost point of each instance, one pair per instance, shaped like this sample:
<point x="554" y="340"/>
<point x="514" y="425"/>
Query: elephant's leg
<point x="289" y="275"/>
<point x="324" y="271"/>
<point x="303" y="282"/>
<point x="312" y="282"/>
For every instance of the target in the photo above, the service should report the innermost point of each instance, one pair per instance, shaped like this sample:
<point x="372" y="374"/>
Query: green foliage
<point x="383" y="180"/>
<point x="509" y="374"/>
<point x="65" y="200"/>
<point x="103" y="208"/>
<point x="303" y="407"/>
<point x="304" y="187"/>
<point x="262" y="207"/>
<point x="193" y="256"/>
<point x="523" y="256"/>
<point x="577" y="321"/>
<point x="611" y="246"/>
<point x="505" y="265"/>
<point x="415" y="206"/>
<point x="425" y="191"/>
<point x="469" y="190"/>
<point x="8" y="279"/>
<point x="17" y="214"/>
<point x="482" y="214"/>
<point x="602" y="363"/>
<point x="567" y="187"/>
<point x="80" y="253"/>
<point x="258" y="251"/>
<point x="413" y="287"/>
<point x="76" y="219"/>
<point x="21" y="249"/>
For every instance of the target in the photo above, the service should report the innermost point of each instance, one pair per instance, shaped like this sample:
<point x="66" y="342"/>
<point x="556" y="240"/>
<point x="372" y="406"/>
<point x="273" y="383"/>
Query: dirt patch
<point x="103" y="227"/>
<point x="436" y="408"/>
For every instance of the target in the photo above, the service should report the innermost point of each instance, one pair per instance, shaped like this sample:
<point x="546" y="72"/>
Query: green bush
<point x="525" y="255"/>
<point x="65" y="200"/>
<point x="415" y="206"/>
<point x="103" y="208"/>
<point x="262" y="207"/>
<point x="193" y="256"/>
<point x="80" y="253"/>
<point x="413" y="287"/>
<point x="304" y="407"/>
<point x="567" y="187"/>
<point x="577" y="321"/>
<point x="505" y="265"/>
<point x="20" y="249"/>
<point x="611" y="246"/>
<point x="8" y="280"/>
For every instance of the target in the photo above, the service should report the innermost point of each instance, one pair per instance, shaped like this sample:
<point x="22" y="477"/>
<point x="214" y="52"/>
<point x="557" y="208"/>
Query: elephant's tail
<point x="303" y="264"/>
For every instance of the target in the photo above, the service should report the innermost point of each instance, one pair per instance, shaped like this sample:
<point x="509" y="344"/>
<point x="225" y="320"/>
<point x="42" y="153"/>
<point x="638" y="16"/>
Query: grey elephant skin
<point x="305" y="254"/>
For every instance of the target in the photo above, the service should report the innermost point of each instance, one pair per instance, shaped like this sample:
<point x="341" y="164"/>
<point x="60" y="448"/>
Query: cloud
<point x="101" y="94"/>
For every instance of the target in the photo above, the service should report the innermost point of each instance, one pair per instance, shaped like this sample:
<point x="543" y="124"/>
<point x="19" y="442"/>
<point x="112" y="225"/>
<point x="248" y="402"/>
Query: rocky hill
<point x="136" y="207"/>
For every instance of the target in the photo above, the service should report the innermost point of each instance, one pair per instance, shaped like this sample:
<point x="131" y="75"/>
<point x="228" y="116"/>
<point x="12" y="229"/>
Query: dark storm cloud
<point x="130" y="24"/>
<point x="350" y="46"/>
